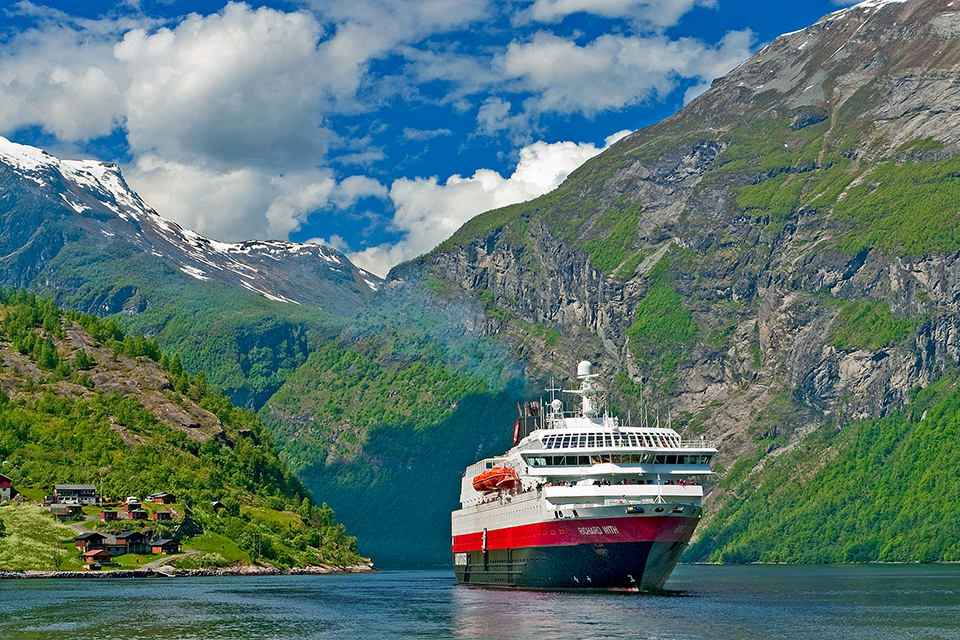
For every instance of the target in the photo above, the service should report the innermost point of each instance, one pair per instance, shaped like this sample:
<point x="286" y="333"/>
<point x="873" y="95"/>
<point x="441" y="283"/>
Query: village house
<point x="107" y="516"/>
<point x="165" y="545"/>
<point x="75" y="494"/>
<point x="6" y="488"/>
<point x="137" y="514"/>
<point x="160" y="516"/>
<point x="95" y="558"/>
<point x="65" y="511"/>
<point x="128" y="542"/>
<point x="162" y="498"/>
<point x="89" y="541"/>
<point x="132" y="506"/>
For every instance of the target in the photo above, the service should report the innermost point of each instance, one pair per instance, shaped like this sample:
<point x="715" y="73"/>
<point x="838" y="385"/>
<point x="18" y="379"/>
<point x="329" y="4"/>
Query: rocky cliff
<point x="800" y="209"/>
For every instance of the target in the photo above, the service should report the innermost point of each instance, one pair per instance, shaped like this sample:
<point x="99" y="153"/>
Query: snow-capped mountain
<point x="52" y="209"/>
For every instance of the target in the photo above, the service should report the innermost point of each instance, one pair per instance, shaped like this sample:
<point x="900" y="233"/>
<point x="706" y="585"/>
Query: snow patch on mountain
<point x="88" y="187"/>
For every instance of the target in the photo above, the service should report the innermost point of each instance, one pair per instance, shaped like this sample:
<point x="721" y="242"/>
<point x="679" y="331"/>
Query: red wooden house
<point x="161" y="516"/>
<point x="109" y="515"/>
<point x="129" y="542"/>
<point x="162" y="498"/>
<point x="96" y="557"/>
<point x="137" y="514"/>
<point x="165" y="545"/>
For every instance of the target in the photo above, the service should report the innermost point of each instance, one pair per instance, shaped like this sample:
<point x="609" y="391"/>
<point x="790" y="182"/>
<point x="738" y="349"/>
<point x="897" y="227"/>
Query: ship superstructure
<point x="580" y="501"/>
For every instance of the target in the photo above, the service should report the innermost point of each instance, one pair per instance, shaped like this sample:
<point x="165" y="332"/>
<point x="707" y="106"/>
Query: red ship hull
<point x="609" y="553"/>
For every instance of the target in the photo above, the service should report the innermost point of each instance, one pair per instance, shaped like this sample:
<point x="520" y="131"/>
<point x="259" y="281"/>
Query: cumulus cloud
<point x="428" y="211"/>
<point x="230" y="205"/>
<point x="239" y="88"/>
<point x="653" y="13"/>
<point x="63" y="77"/>
<point x="613" y="71"/>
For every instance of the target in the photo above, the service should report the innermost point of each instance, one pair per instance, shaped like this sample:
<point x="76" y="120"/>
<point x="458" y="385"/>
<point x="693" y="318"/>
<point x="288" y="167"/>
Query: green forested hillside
<point x="82" y="402"/>
<point x="876" y="490"/>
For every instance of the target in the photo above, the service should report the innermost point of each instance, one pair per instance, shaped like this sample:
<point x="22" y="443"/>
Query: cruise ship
<point x="581" y="501"/>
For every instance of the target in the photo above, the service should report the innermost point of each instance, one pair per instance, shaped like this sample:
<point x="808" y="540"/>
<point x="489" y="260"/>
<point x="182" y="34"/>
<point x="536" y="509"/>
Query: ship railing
<point x="697" y="444"/>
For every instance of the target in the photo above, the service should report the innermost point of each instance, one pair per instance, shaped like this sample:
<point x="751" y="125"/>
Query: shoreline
<point x="247" y="570"/>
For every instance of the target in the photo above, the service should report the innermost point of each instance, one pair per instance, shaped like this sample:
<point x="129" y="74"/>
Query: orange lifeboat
<point x="495" y="479"/>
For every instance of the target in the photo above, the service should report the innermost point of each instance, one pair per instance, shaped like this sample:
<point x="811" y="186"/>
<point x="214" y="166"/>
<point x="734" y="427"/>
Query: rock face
<point x="764" y="253"/>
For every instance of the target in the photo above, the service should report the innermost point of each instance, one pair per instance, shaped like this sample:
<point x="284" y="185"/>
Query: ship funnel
<point x="584" y="369"/>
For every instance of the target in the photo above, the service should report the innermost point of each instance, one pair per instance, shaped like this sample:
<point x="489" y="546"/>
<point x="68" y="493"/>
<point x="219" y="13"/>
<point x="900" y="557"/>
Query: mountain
<point x="244" y="313"/>
<point x="773" y="267"/>
<point x="81" y="402"/>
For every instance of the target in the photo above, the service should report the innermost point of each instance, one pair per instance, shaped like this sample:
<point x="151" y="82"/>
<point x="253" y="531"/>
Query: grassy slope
<point x="33" y="539"/>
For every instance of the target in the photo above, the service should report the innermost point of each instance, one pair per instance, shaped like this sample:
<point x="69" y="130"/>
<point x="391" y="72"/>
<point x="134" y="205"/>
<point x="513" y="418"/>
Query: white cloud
<point x="239" y="88"/>
<point x="613" y="71"/>
<point x="372" y="29"/>
<point x="410" y="133"/>
<point x="428" y="212"/>
<point x="63" y="77"/>
<point x="653" y="13"/>
<point x="231" y="205"/>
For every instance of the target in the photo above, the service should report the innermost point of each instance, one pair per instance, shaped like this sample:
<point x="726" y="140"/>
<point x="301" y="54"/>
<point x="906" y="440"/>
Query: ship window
<point x="705" y="459"/>
<point x="594" y="459"/>
<point x="658" y="459"/>
<point x="584" y="460"/>
<point x="671" y="459"/>
<point x="607" y="440"/>
<point x="566" y="442"/>
<point x="615" y="459"/>
<point x="605" y="459"/>
<point x="572" y="460"/>
<point x="583" y="439"/>
<point x="636" y="458"/>
<point x="592" y="440"/>
<point x="633" y="440"/>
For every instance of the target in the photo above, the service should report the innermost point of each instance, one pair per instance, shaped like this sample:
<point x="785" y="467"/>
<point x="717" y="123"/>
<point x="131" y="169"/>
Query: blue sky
<point x="375" y="126"/>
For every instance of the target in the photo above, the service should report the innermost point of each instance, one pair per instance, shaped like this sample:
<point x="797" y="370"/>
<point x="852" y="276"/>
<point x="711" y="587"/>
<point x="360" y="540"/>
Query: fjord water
<point x="758" y="602"/>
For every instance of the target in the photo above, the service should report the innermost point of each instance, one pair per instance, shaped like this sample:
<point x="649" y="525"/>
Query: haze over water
<point x="783" y="602"/>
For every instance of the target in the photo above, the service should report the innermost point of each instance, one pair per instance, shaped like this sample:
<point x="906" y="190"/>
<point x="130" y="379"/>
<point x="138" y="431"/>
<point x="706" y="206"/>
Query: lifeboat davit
<point x="495" y="479"/>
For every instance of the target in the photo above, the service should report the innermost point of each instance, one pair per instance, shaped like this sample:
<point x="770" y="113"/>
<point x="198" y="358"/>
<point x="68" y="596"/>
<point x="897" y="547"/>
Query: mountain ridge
<point x="91" y="186"/>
